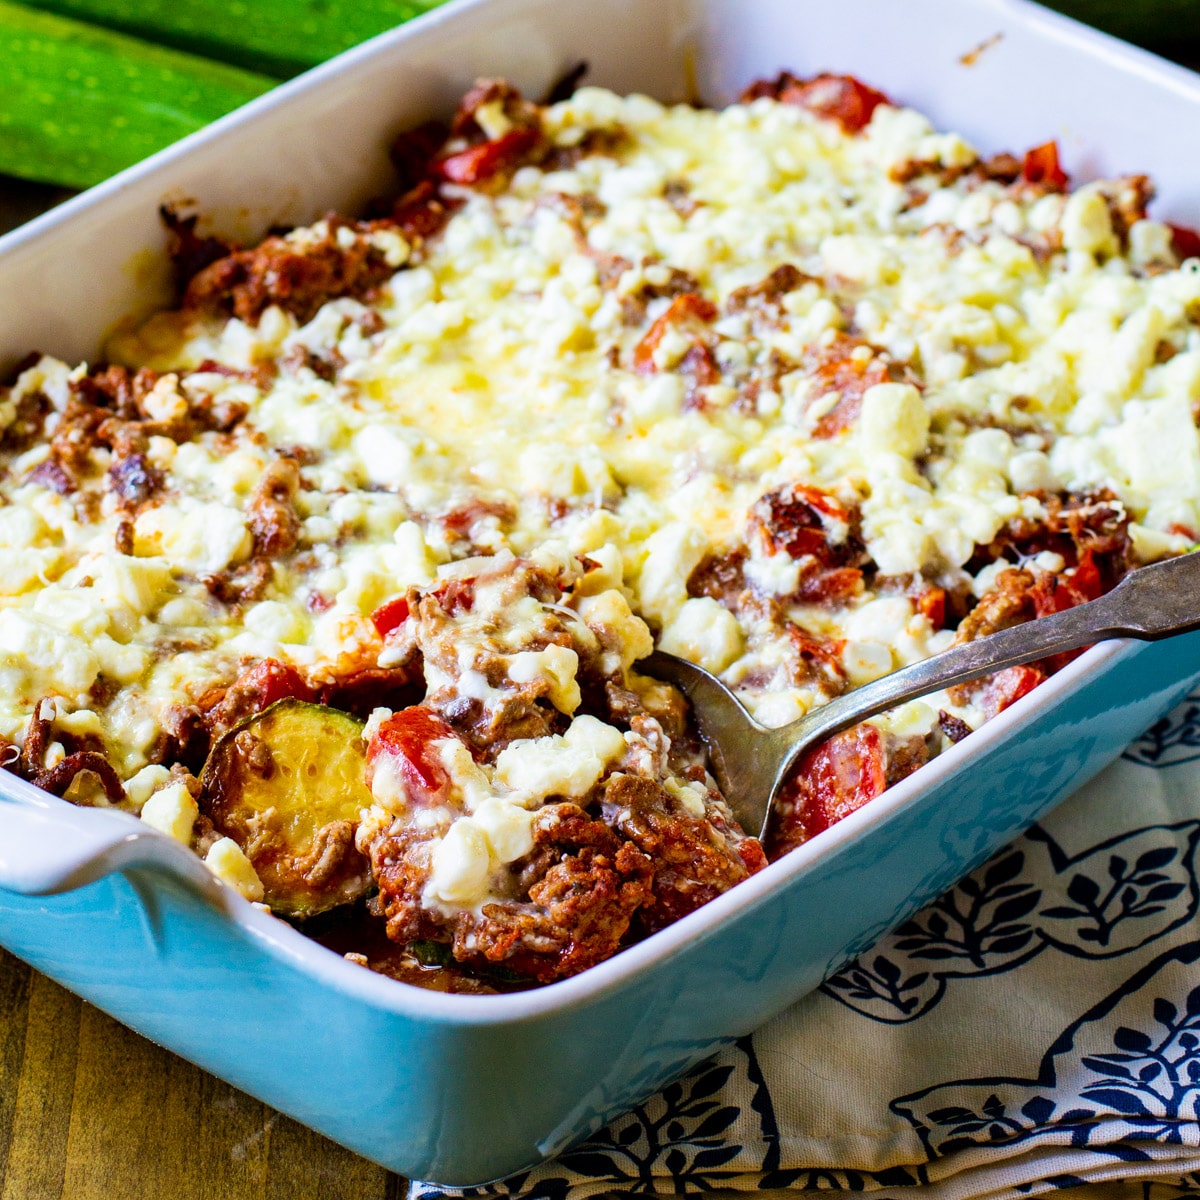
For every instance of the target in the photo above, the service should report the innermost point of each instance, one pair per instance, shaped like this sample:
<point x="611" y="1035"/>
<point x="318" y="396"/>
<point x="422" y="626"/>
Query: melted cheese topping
<point x="493" y="390"/>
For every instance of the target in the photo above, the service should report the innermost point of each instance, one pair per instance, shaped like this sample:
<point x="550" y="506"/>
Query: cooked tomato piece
<point x="1005" y="688"/>
<point x="931" y="604"/>
<point x="752" y="854"/>
<point x="799" y="520"/>
<point x="1057" y="593"/>
<point x="269" y="681"/>
<point x="406" y="739"/>
<point x="477" y="164"/>
<point x="390" y="616"/>
<point x="689" y="308"/>
<point x="1041" y="166"/>
<point x="455" y="596"/>
<point x="840" y="98"/>
<point x="836" y="586"/>
<point x="1184" y="241"/>
<point x="831" y="781"/>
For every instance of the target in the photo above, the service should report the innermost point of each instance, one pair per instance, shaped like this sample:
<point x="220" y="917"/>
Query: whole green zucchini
<point x="278" y="37"/>
<point x="78" y="103"/>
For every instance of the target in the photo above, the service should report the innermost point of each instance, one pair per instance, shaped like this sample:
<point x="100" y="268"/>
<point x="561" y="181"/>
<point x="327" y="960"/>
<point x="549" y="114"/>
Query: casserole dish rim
<point x="615" y="972"/>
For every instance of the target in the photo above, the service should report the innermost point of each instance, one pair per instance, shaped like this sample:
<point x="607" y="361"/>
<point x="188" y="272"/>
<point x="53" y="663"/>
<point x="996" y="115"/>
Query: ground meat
<point x="578" y="891"/>
<point x="118" y="390"/>
<point x="678" y="194"/>
<point x="364" y="691"/>
<point x="271" y="511"/>
<point x="109" y="409"/>
<point x="902" y="756"/>
<point x="1006" y="603"/>
<point x="1095" y="523"/>
<point x="297" y="275"/>
<point x="323" y="365"/>
<point x="1128" y="198"/>
<point x="721" y="577"/>
<point x="243" y="585"/>
<point x="422" y="212"/>
<point x="401" y="865"/>
<point x="635" y="302"/>
<point x="84" y="755"/>
<point x="28" y="425"/>
<point x="476" y="614"/>
<point x="764" y="300"/>
<point x="58" y="779"/>
<point x="693" y="863"/>
<point x="809" y="658"/>
<point x="188" y="251"/>
<point x="579" y="909"/>
<point x="133" y="479"/>
<point x="51" y="475"/>
<point x="595" y="142"/>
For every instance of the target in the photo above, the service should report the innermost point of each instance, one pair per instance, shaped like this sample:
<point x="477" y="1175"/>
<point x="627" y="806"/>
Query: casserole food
<point x="799" y="384"/>
<point x="697" y="950"/>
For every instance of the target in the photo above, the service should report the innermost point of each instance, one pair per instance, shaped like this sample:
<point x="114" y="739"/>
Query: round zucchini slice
<point x="288" y="786"/>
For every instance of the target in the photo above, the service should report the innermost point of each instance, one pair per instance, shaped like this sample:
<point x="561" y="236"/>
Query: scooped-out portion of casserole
<point x="340" y="571"/>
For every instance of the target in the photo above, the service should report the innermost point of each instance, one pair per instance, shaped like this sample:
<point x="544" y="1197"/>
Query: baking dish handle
<point x="48" y="846"/>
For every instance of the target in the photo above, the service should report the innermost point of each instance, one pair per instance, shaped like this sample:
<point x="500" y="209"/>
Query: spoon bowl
<point x="751" y="762"/>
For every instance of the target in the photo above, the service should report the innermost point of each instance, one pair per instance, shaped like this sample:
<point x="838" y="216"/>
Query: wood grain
<point x="90" y="1110"/>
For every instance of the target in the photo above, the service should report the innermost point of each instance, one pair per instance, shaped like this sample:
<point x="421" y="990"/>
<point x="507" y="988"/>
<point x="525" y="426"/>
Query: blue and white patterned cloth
<point x="1035" y="1029"/>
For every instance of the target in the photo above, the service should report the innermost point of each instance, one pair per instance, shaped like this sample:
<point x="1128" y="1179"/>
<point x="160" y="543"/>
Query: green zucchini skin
<point x="79" y="103"/>
<point x="1172" y="25"/>
<point x="277" y="37"/>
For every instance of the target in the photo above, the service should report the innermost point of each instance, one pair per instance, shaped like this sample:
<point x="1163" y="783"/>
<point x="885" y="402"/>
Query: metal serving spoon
<point x="751" y="762"/>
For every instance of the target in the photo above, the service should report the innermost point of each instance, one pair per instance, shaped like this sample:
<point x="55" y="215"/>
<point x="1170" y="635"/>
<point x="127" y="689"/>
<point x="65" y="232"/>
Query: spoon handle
<point x="1152" y="602"/>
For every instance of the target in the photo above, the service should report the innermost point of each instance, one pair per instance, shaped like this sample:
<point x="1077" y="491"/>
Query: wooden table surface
<point x="90" y="1110"/>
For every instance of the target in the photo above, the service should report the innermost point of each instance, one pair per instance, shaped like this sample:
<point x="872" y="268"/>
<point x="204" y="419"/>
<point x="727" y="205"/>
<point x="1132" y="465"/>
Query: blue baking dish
<point x="462" y="1089"/>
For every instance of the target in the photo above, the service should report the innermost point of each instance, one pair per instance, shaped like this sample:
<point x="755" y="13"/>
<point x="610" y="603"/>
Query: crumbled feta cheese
<point x="172" y="811"/>
<point x="228" y="862"/>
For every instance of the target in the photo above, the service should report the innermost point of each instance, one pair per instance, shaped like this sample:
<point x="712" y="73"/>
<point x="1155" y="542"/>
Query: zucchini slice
<point x="79" y="103"/>
<point x="288" y="786"/>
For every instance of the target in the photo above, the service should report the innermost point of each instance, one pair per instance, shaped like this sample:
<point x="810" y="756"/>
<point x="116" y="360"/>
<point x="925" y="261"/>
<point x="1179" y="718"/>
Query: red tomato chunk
<point x="390" y="616"/>
<point x="831" y="781"/>
<point x="406" y="738"/>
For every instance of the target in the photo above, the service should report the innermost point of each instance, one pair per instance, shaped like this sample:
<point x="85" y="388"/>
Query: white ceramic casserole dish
<point x="463" y="1088"/>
